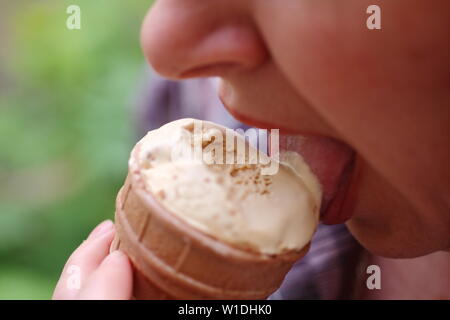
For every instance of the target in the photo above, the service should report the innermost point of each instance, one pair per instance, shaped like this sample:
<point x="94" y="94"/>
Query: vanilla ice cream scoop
<point x="186" y="166"/>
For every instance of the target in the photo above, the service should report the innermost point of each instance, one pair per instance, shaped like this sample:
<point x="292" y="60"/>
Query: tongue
<point x="332" y="162"/>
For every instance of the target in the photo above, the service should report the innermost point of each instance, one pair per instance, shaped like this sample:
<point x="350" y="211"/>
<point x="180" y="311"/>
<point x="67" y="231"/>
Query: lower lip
<point x="340" y="207"/>
<point x="332" y="161"/>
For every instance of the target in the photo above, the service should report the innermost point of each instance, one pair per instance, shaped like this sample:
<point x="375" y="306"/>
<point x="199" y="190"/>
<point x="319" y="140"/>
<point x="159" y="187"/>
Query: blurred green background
<point x="66" y="130"/>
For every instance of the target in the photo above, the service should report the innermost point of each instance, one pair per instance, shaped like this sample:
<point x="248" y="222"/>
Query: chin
<point x="401" y="243"/>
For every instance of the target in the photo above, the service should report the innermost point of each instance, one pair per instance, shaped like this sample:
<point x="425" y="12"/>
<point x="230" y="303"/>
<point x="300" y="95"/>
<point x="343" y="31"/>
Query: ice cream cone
<point x="174" y="260"/>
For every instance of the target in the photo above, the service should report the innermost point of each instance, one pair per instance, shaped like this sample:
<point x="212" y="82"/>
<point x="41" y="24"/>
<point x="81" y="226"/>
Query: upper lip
<point x="331" y="160"/>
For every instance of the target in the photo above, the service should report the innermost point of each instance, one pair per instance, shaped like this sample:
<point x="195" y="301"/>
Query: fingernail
<point x="102" y="228"/>
<point x="114" y="256"/>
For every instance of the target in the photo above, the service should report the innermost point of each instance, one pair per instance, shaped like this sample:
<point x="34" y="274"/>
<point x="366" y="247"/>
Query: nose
<point x="184" y="39"/>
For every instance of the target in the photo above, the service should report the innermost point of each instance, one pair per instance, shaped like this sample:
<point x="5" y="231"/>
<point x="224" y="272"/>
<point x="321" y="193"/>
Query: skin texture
<point x="97" y="268"/>
<point x="314" y="67"/>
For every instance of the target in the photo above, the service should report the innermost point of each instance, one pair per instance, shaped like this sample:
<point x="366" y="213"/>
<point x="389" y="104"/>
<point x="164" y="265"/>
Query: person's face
<point x="312" y="66"/>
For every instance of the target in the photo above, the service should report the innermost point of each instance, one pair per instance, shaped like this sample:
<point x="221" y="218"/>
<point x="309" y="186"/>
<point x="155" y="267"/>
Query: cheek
<point x="371" y="87"/>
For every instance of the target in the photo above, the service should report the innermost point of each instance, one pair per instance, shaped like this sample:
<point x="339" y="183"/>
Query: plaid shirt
<point x="328" y="270"/>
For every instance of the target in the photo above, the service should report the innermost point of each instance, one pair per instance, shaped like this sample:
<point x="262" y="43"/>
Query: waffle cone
<point x="173" y="260"/>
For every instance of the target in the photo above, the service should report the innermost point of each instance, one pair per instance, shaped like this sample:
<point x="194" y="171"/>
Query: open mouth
<point x="333" y="164"/>
<point x="332" y="161"/>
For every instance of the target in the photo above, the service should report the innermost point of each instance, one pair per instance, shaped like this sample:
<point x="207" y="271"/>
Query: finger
<point x="84" y="260"/>
<point x="111" y="281"/>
